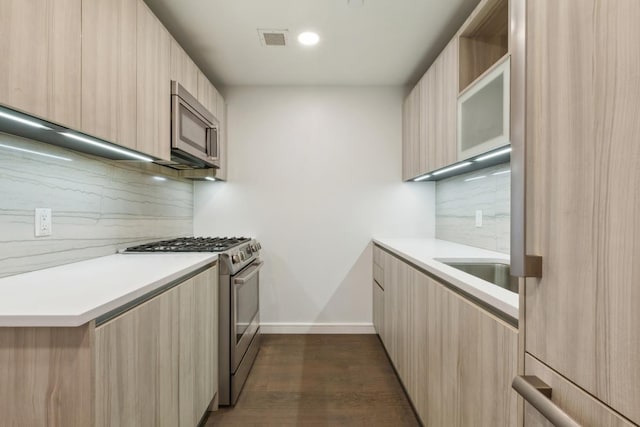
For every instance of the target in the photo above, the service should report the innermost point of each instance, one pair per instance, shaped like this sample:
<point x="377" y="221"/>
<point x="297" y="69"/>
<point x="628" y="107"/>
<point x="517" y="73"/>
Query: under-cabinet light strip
<point x="23" y="121"/>
<point x="24" y="150"/>
<point x="494" y="154"/>
<point x="452" y="168"/>
<point x="128" y="153"/>
<point x="422" y="178"/>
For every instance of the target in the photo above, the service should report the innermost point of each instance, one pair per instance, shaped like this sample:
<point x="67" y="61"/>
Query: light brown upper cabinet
<point x="40" y="51"/>
<point x="183" y="69"/>
<point x="221" y="172"/>
<point x="582" y="86"/>
<point x="480" y="45"/>
<point x="109" y="79"/>
<point x="207" y="94"/>
<point x="438" y="111"/>
<point x="484" y="80"/>
<point x="430" y="143"/>
<point x="483" y="113"/>
<point x="483" y="39"/>
<point x="411" y="134"/>
<point x="153" y="85"/>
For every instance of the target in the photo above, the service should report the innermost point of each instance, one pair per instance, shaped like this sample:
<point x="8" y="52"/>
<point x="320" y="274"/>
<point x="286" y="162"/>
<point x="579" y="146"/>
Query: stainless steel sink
<point x="495" y="272"/>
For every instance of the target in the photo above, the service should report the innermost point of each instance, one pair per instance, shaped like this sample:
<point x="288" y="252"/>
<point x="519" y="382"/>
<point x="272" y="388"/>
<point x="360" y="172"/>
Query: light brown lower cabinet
<point x="198" y="365"/>
<point x="156" y="365"/>
<point x="136" y="365"/>
<point x="378" y="308"/>
<point x="455" y="359"/>
<point x="575" y="402"/>
<point x="396" y="315"/>
<point x="153" y="365"/>
<point x="45" y="376"/>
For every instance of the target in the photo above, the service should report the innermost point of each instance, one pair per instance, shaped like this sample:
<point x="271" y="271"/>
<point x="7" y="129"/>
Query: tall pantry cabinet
<point x="582" y="183"/>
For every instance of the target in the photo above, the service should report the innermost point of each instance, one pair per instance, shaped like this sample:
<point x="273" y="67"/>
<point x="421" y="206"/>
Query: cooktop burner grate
<point x="190" y="244"/>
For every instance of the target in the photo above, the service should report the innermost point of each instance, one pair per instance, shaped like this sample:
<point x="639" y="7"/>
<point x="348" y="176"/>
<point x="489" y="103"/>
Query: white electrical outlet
<point x="43" y="222"/>
<point x="478" y="218"/>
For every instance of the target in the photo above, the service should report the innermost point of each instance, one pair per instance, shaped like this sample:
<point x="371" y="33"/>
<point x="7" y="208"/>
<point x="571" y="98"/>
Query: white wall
<point x="314" y="173"/>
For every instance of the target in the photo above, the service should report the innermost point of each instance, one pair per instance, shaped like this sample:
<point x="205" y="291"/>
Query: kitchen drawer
<point x="378" y="275"/>
<point x="377" y="255"/>
<point x="578" y="404"/>
<point x="378" y="309"/>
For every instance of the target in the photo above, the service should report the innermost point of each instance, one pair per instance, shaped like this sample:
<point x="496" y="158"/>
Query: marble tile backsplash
<point x="98" y="206"/>
<point x="457" y="200"/>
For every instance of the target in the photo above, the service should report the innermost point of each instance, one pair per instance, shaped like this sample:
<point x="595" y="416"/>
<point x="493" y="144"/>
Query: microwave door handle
<point x="212" y="142"/>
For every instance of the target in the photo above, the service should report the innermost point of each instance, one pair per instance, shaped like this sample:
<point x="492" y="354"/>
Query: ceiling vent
<point x="273" y="37"/>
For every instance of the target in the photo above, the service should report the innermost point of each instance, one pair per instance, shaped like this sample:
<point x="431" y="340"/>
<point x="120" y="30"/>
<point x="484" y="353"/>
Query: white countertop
<point x="422" y="253"/>
<point x="73" y="294"/>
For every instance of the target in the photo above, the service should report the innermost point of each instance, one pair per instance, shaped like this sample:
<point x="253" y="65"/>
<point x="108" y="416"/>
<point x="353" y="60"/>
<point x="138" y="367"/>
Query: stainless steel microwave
<point x="195" y="132"/>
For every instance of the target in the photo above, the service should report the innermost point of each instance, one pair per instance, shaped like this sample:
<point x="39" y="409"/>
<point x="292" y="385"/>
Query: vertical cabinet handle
<point x="522" y="264"/>
<point x="538" y="395"/>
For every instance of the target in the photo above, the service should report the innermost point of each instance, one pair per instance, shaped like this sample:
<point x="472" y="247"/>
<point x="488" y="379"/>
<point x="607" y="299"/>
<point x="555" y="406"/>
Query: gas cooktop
<point x="190" y="244"/>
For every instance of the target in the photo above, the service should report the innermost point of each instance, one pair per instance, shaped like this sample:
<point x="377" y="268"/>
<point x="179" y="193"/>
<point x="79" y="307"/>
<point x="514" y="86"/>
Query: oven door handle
<point x="251" y="271"/>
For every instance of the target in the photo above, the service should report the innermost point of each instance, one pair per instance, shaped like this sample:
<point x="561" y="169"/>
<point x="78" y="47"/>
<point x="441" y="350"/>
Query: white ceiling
<point x="384" y="42"/>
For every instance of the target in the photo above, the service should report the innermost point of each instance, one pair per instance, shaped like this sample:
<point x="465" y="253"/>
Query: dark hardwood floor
<point x="320" y="380"/>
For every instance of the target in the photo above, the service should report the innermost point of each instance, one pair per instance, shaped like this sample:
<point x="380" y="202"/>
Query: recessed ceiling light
<point x="308" y="38"/>
<point x="159" y="178"/>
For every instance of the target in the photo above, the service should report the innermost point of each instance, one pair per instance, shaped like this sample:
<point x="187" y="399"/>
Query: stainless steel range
<point x="239" y="308"/>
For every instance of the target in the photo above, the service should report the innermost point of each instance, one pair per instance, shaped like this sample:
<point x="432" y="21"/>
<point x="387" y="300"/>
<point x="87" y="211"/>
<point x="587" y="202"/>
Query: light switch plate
<point x="478" y="218"/>
<point x="43" y="222"/>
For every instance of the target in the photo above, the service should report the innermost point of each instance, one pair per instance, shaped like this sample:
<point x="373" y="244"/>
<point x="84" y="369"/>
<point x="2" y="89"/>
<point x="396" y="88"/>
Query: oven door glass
<point x="245" y="318"/>
<point x="246" y="306"/>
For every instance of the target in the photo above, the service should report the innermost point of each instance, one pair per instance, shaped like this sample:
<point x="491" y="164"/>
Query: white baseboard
<point x="317" y="328"/>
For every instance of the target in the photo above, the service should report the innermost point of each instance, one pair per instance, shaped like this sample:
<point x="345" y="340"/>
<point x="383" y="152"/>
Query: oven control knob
<point x="249" y="249"/>
<point x="235" y="259"/>
<point x="255" y="248"/>
<point x="242" y="256"/>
